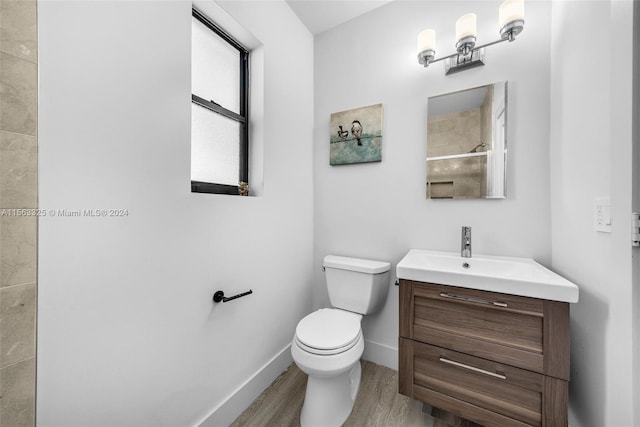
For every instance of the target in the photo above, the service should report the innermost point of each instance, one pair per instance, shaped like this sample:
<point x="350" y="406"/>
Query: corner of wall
<point x="237" y="401"/>
<point x="636" y="206"/>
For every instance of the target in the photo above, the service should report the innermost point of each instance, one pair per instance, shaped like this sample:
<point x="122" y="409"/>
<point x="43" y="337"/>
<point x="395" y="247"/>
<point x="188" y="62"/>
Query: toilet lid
<point x="329" y="329"/>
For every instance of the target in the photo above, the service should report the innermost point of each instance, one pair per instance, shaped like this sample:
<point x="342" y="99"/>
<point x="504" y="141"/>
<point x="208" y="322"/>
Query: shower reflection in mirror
<point x="466" y="143"/>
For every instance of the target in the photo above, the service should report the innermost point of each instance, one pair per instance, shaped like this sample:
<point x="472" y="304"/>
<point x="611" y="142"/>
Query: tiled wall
<point x="457" y="178"/>
<point x="18" y="190"/>
<point x="455" y="133"/>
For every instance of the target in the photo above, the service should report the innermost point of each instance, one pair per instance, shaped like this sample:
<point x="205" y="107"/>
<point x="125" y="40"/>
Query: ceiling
<point x="458" y="101"/>
<point x="320" y="15"/>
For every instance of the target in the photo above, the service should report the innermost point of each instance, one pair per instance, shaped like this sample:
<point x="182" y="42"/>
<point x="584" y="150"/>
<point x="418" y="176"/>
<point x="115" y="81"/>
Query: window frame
<point x="242" y="118"/>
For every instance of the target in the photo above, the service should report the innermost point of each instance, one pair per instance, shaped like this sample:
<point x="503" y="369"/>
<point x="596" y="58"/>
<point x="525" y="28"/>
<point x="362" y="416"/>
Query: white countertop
<point x="507" y="275"/>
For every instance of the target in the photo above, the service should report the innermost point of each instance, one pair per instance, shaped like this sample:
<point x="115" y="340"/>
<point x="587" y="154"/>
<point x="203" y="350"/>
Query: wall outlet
<point x="603" y="214"/>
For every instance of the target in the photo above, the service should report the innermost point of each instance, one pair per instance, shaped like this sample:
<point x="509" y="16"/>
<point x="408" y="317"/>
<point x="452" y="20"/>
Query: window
<point x="219" y="104"/>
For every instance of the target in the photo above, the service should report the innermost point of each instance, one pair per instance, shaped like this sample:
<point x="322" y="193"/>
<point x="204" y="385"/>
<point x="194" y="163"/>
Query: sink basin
<point x="507" y="275"/>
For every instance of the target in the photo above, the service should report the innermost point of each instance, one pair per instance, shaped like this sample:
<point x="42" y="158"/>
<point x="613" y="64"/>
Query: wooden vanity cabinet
<point x="495" y="359"/>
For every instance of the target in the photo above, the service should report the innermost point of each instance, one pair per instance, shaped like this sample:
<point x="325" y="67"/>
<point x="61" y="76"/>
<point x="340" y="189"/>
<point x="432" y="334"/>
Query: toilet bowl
<point x="328" y="343"/>
<point x="333" y="365"/>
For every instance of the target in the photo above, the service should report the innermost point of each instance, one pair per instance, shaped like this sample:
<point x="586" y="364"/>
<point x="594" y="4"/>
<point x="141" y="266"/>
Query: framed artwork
<point x="356" y="136"/>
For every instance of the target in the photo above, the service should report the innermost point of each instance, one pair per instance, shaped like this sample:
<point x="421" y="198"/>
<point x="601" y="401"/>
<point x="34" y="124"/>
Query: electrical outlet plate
<point x="602" y="214"/>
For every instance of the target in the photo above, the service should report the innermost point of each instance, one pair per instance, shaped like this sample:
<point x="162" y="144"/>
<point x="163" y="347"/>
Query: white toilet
<point x="328" y="343"/>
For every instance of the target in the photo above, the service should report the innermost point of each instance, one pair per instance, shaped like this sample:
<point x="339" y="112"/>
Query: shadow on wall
<point x="588" y="323"/>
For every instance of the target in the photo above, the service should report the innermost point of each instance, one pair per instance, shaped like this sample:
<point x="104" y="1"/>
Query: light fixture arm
<point x="494" y="42"/>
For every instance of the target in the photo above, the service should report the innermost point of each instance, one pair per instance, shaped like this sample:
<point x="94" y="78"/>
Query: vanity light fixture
<point x="467" y="55"/>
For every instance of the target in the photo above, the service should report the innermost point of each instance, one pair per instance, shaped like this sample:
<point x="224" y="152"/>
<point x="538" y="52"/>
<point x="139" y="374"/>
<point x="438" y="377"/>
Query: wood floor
<point x="378" y="403"/>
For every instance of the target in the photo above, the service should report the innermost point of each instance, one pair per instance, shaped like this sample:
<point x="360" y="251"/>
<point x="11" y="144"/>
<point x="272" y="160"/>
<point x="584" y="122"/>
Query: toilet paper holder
<point x="219" y="296"/>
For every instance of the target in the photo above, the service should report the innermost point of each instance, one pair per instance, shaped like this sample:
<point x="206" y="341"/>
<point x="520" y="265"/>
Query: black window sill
<point x="207" y="187"/>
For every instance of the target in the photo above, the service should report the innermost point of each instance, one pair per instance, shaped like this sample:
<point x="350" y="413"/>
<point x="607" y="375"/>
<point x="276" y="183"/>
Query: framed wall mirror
<point x="467" y="144"/>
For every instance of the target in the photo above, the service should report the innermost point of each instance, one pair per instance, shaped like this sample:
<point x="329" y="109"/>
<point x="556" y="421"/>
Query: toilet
<point x="328" y="343"/>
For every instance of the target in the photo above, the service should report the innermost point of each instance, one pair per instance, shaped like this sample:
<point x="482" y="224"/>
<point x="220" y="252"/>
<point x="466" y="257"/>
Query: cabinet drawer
<point x="511" y="396"/>
<point x="507" y="328"/>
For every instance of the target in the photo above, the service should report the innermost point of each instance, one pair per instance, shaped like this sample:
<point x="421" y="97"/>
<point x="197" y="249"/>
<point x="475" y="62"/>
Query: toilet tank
<point x="356" y="285"/>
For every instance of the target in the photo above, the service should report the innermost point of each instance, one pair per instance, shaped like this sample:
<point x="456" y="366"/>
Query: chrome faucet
<point x="465" y="249"/>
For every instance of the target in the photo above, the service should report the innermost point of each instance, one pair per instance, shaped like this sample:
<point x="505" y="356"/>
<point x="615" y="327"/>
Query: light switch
<point x="603" y="214"/>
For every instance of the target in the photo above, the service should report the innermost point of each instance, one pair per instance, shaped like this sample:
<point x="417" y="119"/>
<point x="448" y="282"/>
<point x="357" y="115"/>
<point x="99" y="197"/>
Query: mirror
<point x="466" y="144"/>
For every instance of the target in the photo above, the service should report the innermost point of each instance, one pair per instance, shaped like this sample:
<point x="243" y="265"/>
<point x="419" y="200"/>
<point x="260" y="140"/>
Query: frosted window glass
<point x="215" y="153"/>
<point x="215" y="67"/>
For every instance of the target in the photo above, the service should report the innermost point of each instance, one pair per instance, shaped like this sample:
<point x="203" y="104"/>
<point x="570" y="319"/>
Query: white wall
<point x="591" y="152"/>
<point x="636" y="208"/>
<point x="128" y="335"/>
<point x="379" y="210"/>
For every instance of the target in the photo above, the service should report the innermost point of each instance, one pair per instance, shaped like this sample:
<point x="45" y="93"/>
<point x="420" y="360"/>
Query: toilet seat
<point x="320" y="352"/>
<point x="328" y="331"/>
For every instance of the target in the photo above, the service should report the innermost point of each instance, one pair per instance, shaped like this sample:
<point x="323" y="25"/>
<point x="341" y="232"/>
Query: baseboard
<point x="381" y="354"/>
<point x="241" y="398"/>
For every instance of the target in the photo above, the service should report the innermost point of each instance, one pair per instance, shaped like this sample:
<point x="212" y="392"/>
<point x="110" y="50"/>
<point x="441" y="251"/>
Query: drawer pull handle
<point x="471" y="299"/>
<point x="472" y="368"/>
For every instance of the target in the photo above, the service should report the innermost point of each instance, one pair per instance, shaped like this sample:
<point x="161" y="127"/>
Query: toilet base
<point x="329" y="401"/>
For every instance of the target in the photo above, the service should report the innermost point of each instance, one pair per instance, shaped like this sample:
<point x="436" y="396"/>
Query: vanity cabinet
<point x="492" y="358"/>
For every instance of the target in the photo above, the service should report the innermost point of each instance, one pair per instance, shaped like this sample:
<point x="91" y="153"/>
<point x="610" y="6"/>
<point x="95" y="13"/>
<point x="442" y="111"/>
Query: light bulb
<point x="511" y="11"/>
<point x="427" y="40"/>
<point x="466" y="26"/>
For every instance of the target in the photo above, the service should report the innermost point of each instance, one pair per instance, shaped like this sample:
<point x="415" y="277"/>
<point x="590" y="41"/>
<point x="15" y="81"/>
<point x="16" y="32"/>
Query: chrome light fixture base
<point x="511" y="30"/>
<point x="426" y="56"/>
<point x="465" y="45"/>
<point x="461" y="62"/>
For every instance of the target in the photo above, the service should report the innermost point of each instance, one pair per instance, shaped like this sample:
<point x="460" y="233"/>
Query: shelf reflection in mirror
<point x="466" y="143"/>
